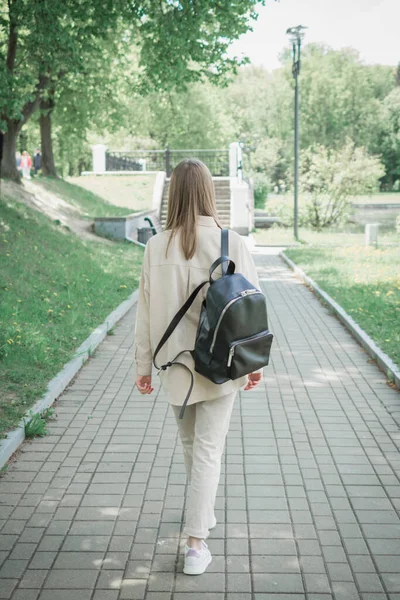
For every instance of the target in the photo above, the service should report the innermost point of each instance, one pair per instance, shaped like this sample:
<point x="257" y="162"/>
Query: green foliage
<point x="3" y="469"/>
<point x="186" y="42"/>
<point x="261" y="186"/>
<point x="272" y="159"/>
<point x="330" y="178"/>
<point x="35" y="426"/>
<point x="388" y="142"/>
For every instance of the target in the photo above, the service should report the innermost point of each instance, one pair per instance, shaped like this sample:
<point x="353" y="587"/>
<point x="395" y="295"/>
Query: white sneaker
<point x="196" y="561"/>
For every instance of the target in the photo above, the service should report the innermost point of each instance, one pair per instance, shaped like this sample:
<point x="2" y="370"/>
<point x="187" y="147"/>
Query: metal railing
<point x="165" y="160"/>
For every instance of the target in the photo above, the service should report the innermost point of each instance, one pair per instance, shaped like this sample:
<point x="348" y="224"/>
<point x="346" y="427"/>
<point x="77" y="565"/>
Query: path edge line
<point x="58" y="384"/>
<point x="383" y="360"/>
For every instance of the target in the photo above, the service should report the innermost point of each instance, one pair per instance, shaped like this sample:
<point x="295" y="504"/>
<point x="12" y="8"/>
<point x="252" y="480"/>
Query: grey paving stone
<point x="7" y="586"/>
<point x="91" y="528"/>
<point x="67" y="579"/>
<point x="237" y="546"/>
<point x="279" y="596"/>
<point x="146" y="551"/>
<point x="198" y="596"/>
<point x="391" y="582"/>
<point x="312" y="564"/>
<point x="161" y="582"/>
<point x="79" y="560"/>
<point x="237" y="564"/>
<point x="13" y="569"/>
<point x="239" y="582"/>
<point x="317" y="583"/>
<point x="105" y="595"/>
<point x="33" y="578"/>
<point x="275" y="564"/>
<point x="110" y="579"/>
<point x="167" y="546"/>
<point x="85" y="543"/>
<point x="57" y="594"/>
<point x="208" y="582"/>
<point x="343" y="590"/>
<point x="309" y="548"/>
<point x="146" y="536"/>
<point x="22" y="551"/>
<point x="50" y="542"/>
<point x="26" y="594"/>
<point x="357" y="545"/>
<point x="115" y="560"/>
<point x="340" y="572"/>
<point x="42" y="560"/>
<point x="369" y="582"/>
<point x="278" y="583"/>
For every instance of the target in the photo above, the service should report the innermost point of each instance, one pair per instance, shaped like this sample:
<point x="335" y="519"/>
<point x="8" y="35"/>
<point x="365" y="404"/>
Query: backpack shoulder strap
<point x="224" y="248"/>
<point x="177" y="318"/>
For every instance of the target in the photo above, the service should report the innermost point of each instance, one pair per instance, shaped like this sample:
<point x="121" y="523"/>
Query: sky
<point x="370" y="26"/>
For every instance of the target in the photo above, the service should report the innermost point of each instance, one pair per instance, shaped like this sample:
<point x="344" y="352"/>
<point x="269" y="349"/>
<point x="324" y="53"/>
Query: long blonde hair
<point x="191" y="194"/>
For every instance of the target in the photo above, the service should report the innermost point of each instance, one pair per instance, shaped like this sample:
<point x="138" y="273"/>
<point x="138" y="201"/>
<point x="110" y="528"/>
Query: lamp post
<point x="296" y="35"/>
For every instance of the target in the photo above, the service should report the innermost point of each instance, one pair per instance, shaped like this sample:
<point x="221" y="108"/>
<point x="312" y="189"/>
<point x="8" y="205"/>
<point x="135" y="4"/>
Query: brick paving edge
<point x="58" y="384"/>
<point x="384" y="361"/>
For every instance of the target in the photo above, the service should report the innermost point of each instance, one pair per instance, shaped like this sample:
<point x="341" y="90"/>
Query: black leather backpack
<point x="232" y="337"/>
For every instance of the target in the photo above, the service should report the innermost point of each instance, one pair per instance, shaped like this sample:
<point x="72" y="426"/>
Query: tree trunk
<point x="48" y="165"/>
<point x="8" y="163"/>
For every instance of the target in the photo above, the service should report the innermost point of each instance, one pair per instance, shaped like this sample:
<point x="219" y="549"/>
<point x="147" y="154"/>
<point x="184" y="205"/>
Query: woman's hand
<point x="253" y="381"/>
<point x="143" y="384"/>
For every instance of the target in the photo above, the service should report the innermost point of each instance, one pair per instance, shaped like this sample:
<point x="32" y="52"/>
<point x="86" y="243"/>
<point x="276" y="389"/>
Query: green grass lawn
<point x="90" y="203"/>
<point x="283" y="236"/>
<point x="130" y="192"/>
<point x="275" y="200"/>
<point x="365" y="281"/>
<point x="55" y="289"/>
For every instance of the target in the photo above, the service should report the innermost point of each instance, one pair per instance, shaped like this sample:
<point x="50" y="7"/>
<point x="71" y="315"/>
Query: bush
<point x="285" y="212"/>
<point x="330" y="178"/>
<point x="271" y="159"/>
<point x="261" y="188"/>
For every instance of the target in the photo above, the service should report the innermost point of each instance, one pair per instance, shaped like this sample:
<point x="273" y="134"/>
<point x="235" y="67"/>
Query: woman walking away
<point x="175" y="262"/>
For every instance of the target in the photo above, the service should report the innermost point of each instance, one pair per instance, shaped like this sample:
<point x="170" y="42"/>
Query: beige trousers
<point x="203" y="432"/>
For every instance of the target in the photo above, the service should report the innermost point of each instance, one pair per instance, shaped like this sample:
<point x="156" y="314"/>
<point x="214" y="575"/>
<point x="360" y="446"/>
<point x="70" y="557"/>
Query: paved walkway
<point x="308" y="497"/>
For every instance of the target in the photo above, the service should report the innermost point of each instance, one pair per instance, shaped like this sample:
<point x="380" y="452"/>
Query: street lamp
<point x="296" y="35"/>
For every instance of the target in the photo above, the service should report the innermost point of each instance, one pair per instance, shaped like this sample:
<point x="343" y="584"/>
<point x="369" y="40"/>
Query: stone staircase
<point x="222" y="196"/>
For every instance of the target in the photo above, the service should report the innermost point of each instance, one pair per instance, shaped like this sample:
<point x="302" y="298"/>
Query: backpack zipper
<point x="242" y="295"/>
<point x="232" y="348"/>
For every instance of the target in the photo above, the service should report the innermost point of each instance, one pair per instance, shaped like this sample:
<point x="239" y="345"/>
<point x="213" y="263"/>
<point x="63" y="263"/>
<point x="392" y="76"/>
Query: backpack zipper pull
<point x="230" y="357"/>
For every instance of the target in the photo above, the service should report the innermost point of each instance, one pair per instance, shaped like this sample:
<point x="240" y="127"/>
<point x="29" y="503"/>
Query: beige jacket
<point x="165" y="285"/>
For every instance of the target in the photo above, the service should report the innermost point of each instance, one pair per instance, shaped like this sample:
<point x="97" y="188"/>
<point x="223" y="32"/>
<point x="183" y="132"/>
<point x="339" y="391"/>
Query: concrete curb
<point x="383" y="360"/>
<point x="58" y="384"/>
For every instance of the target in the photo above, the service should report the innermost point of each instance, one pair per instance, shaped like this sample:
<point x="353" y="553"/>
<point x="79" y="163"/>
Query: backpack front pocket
<point x="249" y="354"/>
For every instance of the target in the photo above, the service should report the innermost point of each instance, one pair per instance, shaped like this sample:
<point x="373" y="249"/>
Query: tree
<point x="388" y="143"/>
<point x="40" y="42"/>
<point x="43" y="41"/>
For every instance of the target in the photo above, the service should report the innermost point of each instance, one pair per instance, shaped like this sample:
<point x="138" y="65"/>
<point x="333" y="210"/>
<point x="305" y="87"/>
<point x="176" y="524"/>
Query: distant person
<point x="37" y="161"/>
<point x="18" y="160"/>
<point x="26" y="165"/>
